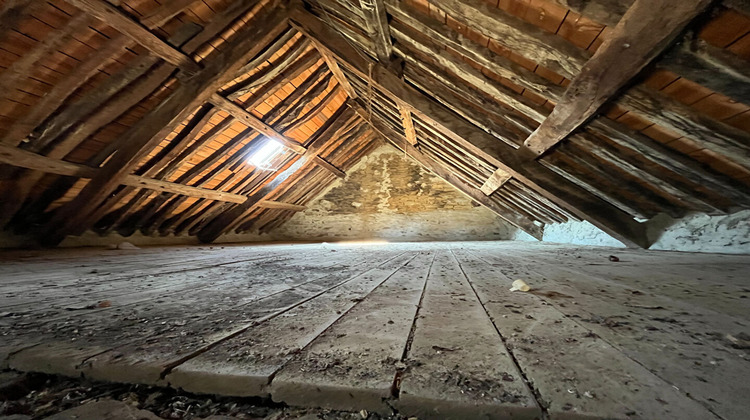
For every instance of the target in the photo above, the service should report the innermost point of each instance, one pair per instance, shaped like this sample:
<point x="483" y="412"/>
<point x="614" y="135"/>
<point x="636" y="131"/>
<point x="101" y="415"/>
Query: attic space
<point x="375" y="209"/>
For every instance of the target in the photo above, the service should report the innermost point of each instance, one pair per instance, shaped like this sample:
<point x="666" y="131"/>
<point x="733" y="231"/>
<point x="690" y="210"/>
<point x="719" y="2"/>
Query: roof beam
<point x="716" y="136"/>
<point x="254" y="122"/>
<point x="376" y="21"/>
<point x="19" y="70"/>
<point x="271" y="204"/>
<point x="118" y="20"/>
<point x="446" y="175"/>
<point x="328" y="166"/>
<point x="63" y="89"/>
<point x="609" y="12"/>
<point x="140" y="139"/>
<point x="225" y="220"/>
<point x="335" y="69"/>
<point x="406" y="18"/>
<point x="602" y="214"/>
<point x="24" y="159"/>
<point x="712" y="67"/>
<point x="167" y="11"/>
<point x="644" y="32"/>
<point x="524" y="38"/>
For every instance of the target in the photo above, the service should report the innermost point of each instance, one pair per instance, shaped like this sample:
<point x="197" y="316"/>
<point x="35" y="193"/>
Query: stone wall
<point x="727" y="234"/>
<point x="387" y="196"/>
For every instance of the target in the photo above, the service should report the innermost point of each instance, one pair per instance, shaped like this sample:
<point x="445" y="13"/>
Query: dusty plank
<point x="680" y="342"/>
<point x="129" y="348"/>
<point x="148" y="363"/>
<point x="575" y="372"/>
<point x="258" y="354"/>
<point x="458" y="365"/>
<point x="352" y="365"/>
<point x="53" y="296"/>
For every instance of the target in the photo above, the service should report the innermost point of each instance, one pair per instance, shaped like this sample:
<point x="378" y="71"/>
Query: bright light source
<point x="362" y="243"/>
<point x="263" y="157"/>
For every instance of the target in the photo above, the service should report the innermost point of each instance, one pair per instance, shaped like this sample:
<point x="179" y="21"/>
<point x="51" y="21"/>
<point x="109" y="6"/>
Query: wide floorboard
<point x="430" y="329"/>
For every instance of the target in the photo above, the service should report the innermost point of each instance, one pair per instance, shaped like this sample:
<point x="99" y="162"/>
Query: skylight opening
<point x="263" y="157"/>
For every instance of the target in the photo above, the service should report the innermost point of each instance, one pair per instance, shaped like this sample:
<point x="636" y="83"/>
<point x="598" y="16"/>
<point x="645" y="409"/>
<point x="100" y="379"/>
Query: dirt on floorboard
<point x="38" y="396"/>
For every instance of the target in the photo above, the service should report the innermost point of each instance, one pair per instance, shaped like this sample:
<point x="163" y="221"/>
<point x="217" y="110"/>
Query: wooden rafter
<point x="229" y="218"/>
<point x="21" y="68"/>
<point x="610" y="219"/>
<point x="377" y="27"/>
<point x="162" y="14"/>
<point x="254" y="122"/>
<point x="446" y="174"/>
<point x="334" y="66"/>
<point x="329" y="167"/>
<point x="151" y="130"/>
<point x="115" y="18"/>
<point x="709" y="66"/>
<point x="643" y="33"/>
<point x="57" y="131"/>
<point x="521" y="37"/>
<point x="23" y="159"/>
<point x="62" y="90"/>
<point x="524" y="38"/>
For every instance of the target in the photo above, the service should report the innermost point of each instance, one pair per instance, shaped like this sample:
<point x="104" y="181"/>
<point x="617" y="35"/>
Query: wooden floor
<point x="430" y="330"/>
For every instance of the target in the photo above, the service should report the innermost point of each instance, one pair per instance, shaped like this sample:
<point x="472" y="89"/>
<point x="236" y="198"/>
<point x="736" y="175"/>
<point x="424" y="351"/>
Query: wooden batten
<point x="495" y="181"/>
<point x="255" y="122"/>
<point x="23" y="159"/>
<point x="329" y="167"/>
<point x="113" y="17"/>
<point x="377" y="27"/>
<point x="156" y="125"/>
<point x="406" y="120"/>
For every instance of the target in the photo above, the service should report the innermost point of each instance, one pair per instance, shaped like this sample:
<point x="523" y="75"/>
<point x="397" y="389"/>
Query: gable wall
<point x="389" y="197"/>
